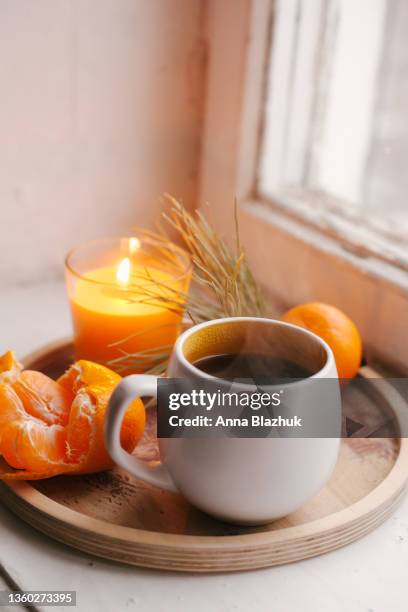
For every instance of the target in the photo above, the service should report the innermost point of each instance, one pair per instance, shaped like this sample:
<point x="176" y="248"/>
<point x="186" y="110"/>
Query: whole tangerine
<point x="336" y="328"/>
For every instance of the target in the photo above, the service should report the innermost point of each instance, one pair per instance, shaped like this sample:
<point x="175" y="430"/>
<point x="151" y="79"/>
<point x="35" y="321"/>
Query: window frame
<point x="305" y="258"/>
<point x="295" y="108"/>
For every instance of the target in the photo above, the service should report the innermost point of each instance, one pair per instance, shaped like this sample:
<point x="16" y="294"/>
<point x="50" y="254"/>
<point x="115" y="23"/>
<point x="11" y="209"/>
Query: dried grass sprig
<point x="222" y="282"/>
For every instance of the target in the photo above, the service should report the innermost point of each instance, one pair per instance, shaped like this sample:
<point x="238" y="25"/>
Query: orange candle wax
<point x="126" y="308"/>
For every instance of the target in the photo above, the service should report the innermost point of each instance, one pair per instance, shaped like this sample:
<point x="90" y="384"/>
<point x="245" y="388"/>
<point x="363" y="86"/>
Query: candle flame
<point x="123" y="272"/>
<point x="134" y="245"/>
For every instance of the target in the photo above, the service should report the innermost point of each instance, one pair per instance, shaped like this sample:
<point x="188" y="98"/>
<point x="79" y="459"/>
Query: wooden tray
<point x="113" y="515"/>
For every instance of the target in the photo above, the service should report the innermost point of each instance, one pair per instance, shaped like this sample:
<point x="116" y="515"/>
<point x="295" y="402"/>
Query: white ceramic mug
<point x="241" y="480"/>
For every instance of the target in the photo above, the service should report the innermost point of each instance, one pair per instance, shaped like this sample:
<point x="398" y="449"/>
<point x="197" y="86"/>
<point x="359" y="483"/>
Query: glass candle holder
<point x="127" y="297"/>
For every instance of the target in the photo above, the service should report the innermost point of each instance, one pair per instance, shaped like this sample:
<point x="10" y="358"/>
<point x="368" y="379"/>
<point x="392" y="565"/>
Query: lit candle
<point x="126" y="305"/>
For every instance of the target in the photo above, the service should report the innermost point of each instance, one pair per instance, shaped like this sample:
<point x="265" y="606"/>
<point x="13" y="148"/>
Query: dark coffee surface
<point x="256" y="366"/>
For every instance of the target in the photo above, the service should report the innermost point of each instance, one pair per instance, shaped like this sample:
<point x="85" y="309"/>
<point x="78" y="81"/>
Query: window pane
<point x="347" y="90"/>
<point x="386" y="185"/>
<point x="335" y="112"/>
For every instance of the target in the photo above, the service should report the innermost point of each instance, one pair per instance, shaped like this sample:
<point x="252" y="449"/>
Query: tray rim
<point x="371" y="509"/>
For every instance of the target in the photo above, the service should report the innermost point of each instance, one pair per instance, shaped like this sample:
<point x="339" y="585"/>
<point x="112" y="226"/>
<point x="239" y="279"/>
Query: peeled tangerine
<point x="52" y="427"/>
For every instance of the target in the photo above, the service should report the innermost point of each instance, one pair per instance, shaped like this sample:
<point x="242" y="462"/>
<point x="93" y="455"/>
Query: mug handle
<point x="131" y="387"/>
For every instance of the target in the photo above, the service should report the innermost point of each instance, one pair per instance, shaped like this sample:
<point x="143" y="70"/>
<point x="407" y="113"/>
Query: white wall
<point x="100" y="111"/>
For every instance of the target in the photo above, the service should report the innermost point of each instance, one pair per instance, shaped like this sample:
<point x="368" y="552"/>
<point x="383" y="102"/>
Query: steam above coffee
<point x="260" y="367"/>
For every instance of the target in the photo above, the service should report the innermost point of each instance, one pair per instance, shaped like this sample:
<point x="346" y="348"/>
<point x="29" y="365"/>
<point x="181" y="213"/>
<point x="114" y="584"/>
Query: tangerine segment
<point x="87" y="417"/>
<point x="93" y="385"/>
<point x="32" y="445"/>
<point x="11" y="408"/>
<point x="26" y="442"/>
<point x="81" y="427"/>
<point x="43" y="398"/>
<point x="10" y="368"/>
<point x="52" y="427"/>
<point x="84" y="373"/>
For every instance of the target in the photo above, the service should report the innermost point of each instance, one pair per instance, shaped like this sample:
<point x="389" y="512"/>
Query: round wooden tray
<point x="113" y="515"/>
